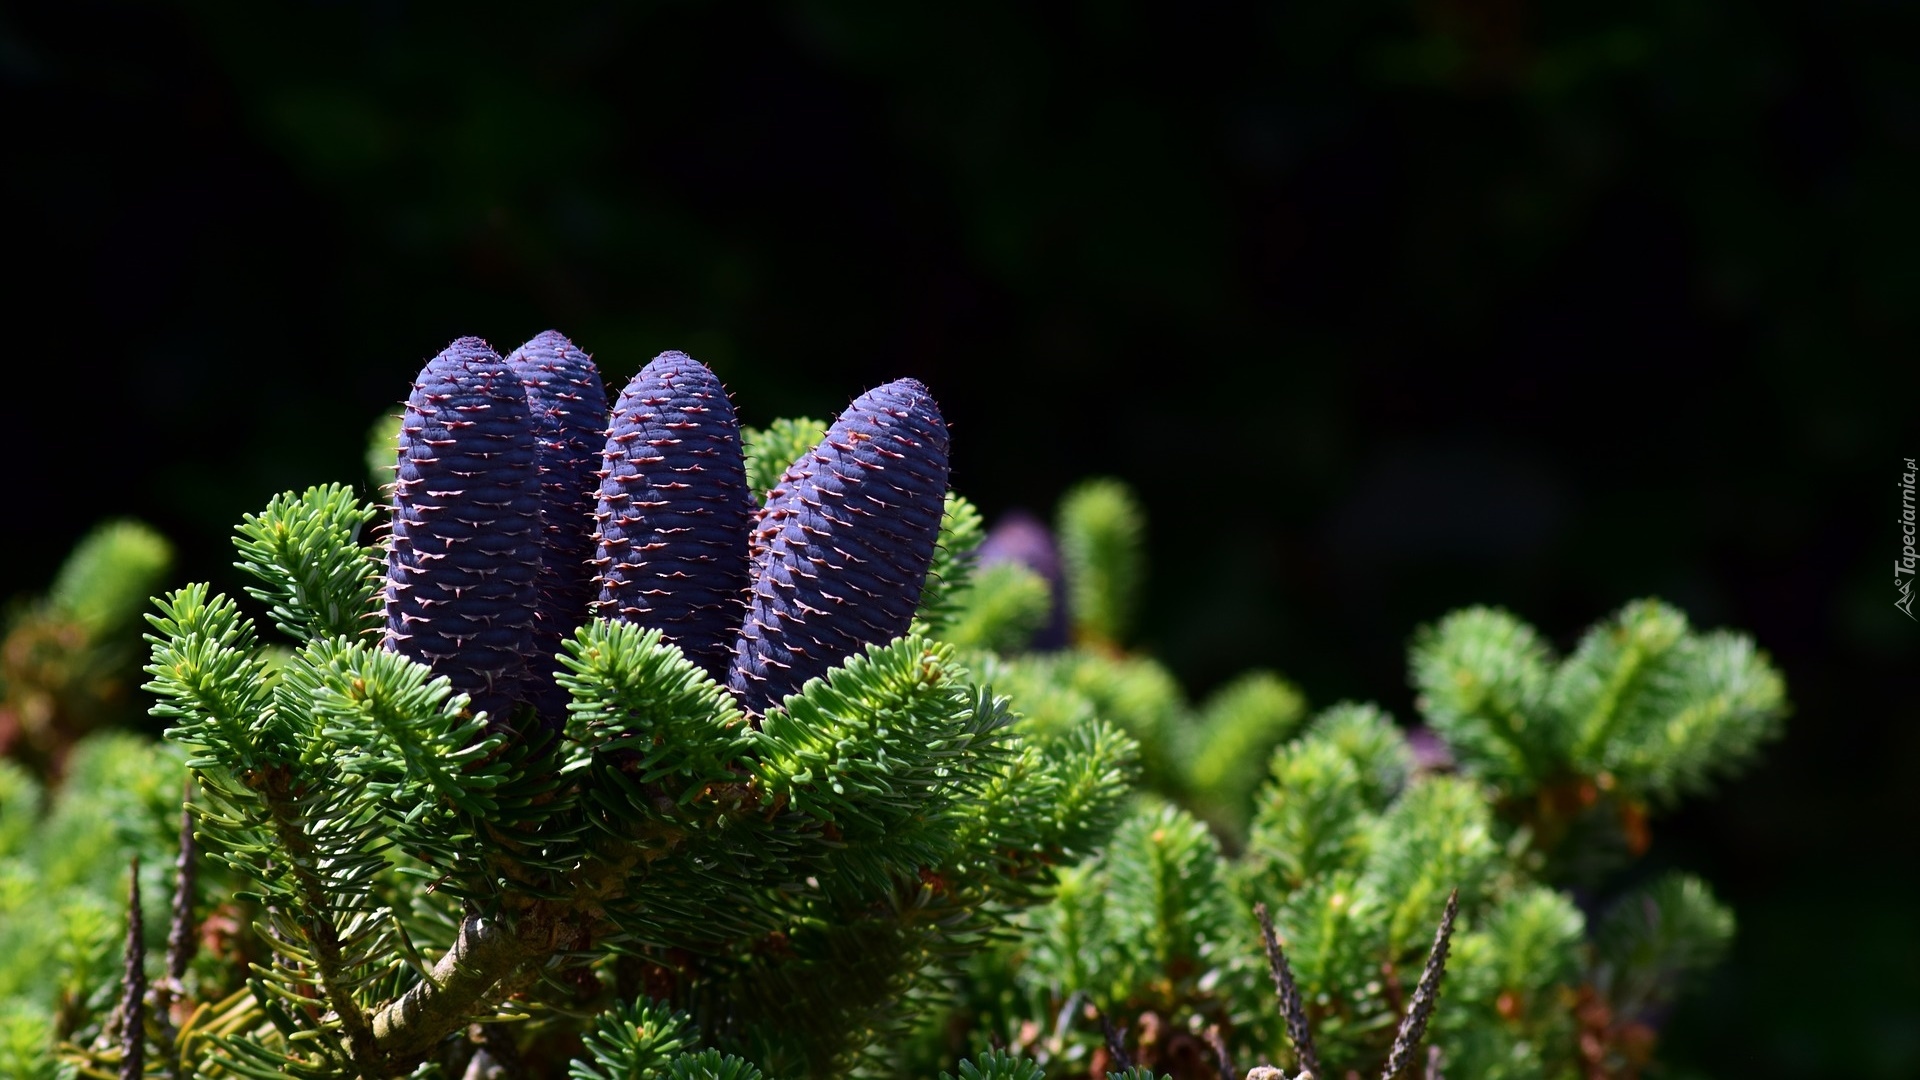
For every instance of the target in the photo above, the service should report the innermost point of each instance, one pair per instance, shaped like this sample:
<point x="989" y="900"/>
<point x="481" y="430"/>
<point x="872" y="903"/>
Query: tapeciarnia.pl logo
<point x="1904" y="564"/>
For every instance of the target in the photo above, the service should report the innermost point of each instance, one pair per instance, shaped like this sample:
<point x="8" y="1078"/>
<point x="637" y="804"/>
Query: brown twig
<point x="1414" y="1024"/>
<point x="133" y="1009"/>
<point x="181" y="940"/>
<point x="1222" y="1059"/>
<point x="1291" y="1006"/>
<point x="484" y="952"/>
<point x="1116" y="1046"/>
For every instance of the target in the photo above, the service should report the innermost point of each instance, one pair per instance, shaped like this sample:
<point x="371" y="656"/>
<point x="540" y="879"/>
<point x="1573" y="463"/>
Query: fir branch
<point x="1054" y="800"/>
<point x="394" y="725"/>
<point x="1097" y="765"/>
<point x="319" y="895"/>
<point x="486" y="951"/>
<point x="637" y="695"/>
<point x="996" y="1065"/>
<point x="1438" y="837"/>
<point x="882" y="749"/>
<point x="826" y="995"/>
<point x="1482" y="676"/>
<point x="1102" y="551"/>
<point x="208" y="677"/>
<point x="1367" y="736"/>
<point x="1312" y="818"/>
<point x="1072" y="940"/>
<point x="711" y="1065"/>
<point x="1536" y="936"/>
<point x="1729" y="699"/>
<point x="1414" y="1026"/>
<point x="1171" y="920"/>
<point x="317" y="579"/>
<point x="1291" y="1006"/>
<point x="632" y="1040"/>
<point x="1618" y="676"/>
<point x="490" y="950"/>
<point x="104" y="584"/>
<point x="1655" y="938"/>
<point x="1137" y="694"/>
<point x="1000" y="608"/>
<point x="1238" y="728"/>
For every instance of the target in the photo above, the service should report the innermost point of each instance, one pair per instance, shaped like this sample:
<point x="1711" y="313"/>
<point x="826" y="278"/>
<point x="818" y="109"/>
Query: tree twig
<point x="180" y="937"/>
<point x="484" y="952"/>
<point x="1291" y="1006"/>
<point x="1414" y="1024"/>
<point x="1116" y="1045"/>
<point x="1222" y="1059"/>
<point x="133" y="1006"/>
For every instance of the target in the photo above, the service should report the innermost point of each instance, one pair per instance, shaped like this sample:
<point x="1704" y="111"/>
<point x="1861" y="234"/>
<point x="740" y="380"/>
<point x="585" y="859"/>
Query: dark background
<point x="1384" y="308"/>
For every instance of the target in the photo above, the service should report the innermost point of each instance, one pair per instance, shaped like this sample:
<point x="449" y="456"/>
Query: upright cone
<point x="568" y="407"/>
<point x="465" y="548"/>
<point x="847" y="538"/>
<point x="674" y="511"/>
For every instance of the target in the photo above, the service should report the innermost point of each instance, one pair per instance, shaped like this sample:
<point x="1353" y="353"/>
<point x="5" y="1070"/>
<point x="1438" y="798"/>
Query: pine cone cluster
<point x="522" y="506"/>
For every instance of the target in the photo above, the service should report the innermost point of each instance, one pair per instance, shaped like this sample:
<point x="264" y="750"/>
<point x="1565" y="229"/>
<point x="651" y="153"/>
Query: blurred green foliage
<point x="68" y="659"/>
<point x="1533" y="800"/>
<point x="64" y="861"/>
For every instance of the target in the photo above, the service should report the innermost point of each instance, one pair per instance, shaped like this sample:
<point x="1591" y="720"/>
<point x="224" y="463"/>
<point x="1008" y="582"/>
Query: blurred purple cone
<point x="1019" y="537"/>
<point x="1431" y="753"/>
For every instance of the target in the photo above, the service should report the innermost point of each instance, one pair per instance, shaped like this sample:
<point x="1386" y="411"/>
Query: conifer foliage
<point x="70" y="660"/>
<point x="642" y="746"/>
<point x="768" y="873"/>
<point x="1550" y="774"/>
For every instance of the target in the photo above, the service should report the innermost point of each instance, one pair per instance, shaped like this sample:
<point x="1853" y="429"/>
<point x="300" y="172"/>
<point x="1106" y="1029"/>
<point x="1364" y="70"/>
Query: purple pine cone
<point x="674" y="511"/>
<point x="848" y="537"/>
<point x="569" y="411"/>
<point x="465" y="548"/>
<point x="1019" y="537"/>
